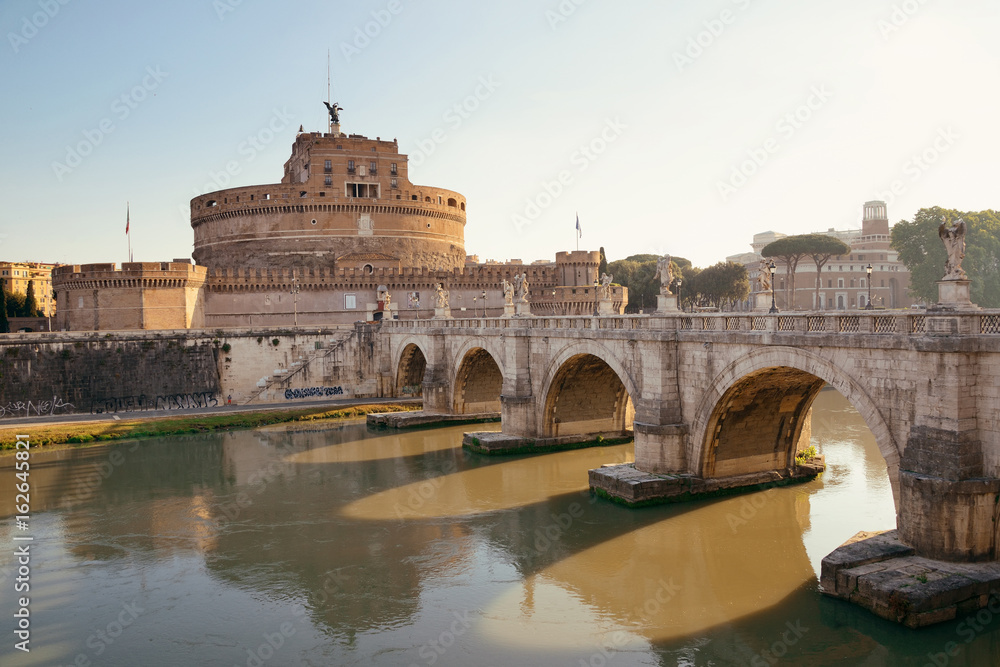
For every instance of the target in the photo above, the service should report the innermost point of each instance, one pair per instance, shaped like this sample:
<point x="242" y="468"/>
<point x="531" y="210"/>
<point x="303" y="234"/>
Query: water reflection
<point x="221" y="539"/>
<point x="504" y="485"/>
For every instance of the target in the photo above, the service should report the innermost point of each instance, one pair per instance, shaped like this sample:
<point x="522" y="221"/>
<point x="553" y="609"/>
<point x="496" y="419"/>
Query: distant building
<point x="343" y="229"/>
<point x="17" y="275"/>
<point x="844" y="279"/>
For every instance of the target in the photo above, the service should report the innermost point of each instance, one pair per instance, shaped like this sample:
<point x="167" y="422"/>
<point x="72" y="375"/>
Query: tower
<point x="875" y="220"/>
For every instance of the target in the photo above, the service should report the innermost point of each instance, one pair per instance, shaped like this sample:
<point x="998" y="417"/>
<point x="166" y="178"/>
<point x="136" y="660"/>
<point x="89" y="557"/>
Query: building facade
<point x="17" y="275"/>
<point x="844" y="280"/>
<point x="345" y="236"/>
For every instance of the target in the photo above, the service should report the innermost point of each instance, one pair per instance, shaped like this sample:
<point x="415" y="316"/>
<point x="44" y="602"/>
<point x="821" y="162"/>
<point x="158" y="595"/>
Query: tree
<point x="821" y="248"/>
<point x="15" y="304"/>
<point x="921" y="250"/>
<point x="790" y="250"/>
<point x="4" y="324"/>
<point x="30" y="304"/>
<point x="636" y="273"/>
<point x="603" y="268"/>
<point x="720" y="285"/>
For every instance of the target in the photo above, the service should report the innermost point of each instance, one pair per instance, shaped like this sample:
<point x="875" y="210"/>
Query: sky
<point x="675" y="127"/>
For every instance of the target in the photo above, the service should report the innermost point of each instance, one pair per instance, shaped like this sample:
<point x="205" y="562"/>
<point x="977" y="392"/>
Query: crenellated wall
<point x="139" y="295"/>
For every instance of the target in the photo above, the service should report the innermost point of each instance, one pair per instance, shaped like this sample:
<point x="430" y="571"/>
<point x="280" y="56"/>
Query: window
<point x="840" y="282"/>
<point x="829" y="283"/>
<point x="373" y="166"/>
<point x="392" y="169"/>
<point x="350" y="301"/>
<point x="350" y="166"/>
<point x="363" y="190"/>
<point x="328" y="166"/>
<point x="328" y="180"/>
<point x="394" y="183"/>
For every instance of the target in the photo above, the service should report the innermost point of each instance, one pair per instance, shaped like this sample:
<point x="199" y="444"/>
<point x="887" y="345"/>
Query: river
<point x="336" y="545"/>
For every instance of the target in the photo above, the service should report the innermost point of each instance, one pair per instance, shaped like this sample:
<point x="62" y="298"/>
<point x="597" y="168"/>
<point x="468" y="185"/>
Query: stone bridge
<point x="725" y="399"/>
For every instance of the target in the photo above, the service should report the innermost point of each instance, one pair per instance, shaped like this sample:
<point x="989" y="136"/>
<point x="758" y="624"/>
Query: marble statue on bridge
<point x="605" y="288"/>
<point x="764" y="276"/>
<point x="508" y="292"/>
<point x="521" y="287"/>
<point x="442" y="296"/>
<point x="665" y="273"/>
<point x="953" y="236"/>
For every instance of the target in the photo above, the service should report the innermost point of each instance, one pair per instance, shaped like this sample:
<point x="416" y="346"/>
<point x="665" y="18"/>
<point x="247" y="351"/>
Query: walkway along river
<point x="336" y="545"/>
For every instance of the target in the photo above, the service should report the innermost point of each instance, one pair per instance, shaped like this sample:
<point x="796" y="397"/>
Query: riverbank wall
<point x="137" y="371"/>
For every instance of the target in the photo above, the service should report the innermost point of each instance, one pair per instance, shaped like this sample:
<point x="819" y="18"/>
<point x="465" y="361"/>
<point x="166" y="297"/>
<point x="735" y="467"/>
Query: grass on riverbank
<point x="90" y="432"/>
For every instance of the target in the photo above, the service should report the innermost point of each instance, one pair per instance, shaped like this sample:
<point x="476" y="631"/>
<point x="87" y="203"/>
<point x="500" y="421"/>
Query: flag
<point x="579" y="232"/>
<point x="126" y="218"/>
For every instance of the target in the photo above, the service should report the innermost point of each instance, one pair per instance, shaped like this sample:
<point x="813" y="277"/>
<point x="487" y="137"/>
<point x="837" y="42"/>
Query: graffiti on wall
<point x="35" y="408"/>
<point x="313" y="391"/>
<point x="142" y="403"/>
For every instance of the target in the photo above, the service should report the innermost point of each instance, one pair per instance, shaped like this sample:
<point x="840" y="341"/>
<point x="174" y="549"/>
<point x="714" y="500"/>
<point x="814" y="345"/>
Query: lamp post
<point x="868" y="270"/>
<point x="554" y="310"/>
<point x="771" y="268"/>
<point x="484" y="302"/>
<point x="475" y="311"/>
<point x="596" y="285"/>
<point x="679" y="302"/>
<point x="295" y="301"/>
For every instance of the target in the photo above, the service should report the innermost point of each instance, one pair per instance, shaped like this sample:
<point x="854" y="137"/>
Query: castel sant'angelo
<point x="345" y="236"/>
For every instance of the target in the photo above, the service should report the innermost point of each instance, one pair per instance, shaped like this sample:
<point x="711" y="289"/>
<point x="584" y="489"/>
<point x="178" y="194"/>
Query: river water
<point x="342" y="546"/>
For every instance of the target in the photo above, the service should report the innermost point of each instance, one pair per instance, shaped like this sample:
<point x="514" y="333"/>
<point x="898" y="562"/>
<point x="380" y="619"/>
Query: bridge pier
<point x="660" y="448"/>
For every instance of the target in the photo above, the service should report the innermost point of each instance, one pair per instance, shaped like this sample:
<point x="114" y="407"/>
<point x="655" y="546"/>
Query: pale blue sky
<point x="202" y="76"/>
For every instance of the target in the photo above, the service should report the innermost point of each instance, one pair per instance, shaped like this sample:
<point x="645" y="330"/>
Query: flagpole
<point x="128" y="233"/>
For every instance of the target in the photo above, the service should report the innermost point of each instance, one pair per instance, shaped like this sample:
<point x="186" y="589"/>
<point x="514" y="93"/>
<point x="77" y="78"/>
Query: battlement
<point x="174" y="271"/>
<point x="482" y="276"/>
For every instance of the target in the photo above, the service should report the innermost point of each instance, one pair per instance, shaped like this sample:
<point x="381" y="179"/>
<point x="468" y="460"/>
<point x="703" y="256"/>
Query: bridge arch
<point x="753" y="413"/>
<point x="410" y="367"/>
<point x="478" y="380"/>
<point x="587" y="390"/>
